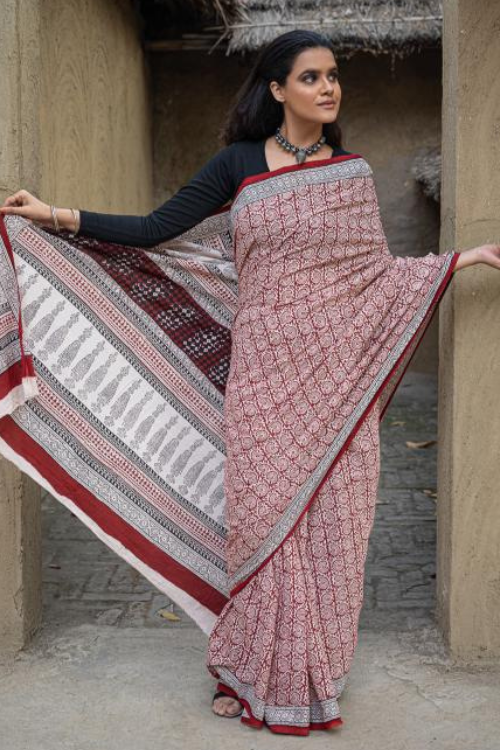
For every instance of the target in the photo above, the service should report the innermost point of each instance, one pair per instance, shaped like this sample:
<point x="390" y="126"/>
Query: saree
<point x="210" y="408"/>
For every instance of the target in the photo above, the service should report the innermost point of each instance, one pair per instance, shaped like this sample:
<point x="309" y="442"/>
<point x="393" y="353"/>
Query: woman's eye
<point x="311" y="77"/>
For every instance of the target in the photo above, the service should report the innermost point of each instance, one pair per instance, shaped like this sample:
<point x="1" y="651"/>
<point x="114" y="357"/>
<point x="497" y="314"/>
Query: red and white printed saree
<point x="211" y="408"/>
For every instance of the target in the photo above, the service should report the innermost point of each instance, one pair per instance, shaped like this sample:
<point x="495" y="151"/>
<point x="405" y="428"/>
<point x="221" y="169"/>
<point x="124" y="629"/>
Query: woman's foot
<point x="225" y="705"/>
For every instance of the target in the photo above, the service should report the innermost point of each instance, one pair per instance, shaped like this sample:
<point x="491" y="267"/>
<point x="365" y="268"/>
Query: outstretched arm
<point x="488" y="254"/>
<point x="210" y="188"/>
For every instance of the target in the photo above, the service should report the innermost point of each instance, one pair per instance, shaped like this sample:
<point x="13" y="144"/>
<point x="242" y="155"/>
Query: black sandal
<point x="221" y="694"/>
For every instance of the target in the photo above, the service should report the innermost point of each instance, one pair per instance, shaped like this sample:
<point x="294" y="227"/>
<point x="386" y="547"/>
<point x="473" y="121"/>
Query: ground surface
<point x="108" y="672"/>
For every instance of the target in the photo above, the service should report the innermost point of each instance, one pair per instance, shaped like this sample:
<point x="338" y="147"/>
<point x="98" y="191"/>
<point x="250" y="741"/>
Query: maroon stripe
<point x="63" y="484"/>
<point x="202" y="339"/>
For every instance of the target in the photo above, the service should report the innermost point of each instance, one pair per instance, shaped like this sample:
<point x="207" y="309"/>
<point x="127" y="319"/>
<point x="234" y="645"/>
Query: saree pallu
<point x="210" y="407"/>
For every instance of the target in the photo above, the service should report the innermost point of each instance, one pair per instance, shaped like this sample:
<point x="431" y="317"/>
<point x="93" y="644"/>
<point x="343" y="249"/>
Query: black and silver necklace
<point x="299" y="151"/>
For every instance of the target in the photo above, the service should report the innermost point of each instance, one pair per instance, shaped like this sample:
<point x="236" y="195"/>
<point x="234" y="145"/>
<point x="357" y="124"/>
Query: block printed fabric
<point x="210" y="408"/>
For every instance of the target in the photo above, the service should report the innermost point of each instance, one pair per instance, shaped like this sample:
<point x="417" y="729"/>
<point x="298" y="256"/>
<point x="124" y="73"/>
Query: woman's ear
<point x="275" y="89"/>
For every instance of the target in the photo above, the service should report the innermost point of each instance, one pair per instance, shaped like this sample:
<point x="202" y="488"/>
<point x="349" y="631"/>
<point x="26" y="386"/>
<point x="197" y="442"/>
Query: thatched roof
<point x="398" y="27"/>
<point x="182" y="24"/>
<point x="426" y="169"/>
<point x="377" y="26"/>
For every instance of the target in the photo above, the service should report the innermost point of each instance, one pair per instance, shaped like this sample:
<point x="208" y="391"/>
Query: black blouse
<point x="210" y="188"/>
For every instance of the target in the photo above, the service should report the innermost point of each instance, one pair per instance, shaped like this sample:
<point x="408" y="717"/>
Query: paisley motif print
<point x="326" y="323"/>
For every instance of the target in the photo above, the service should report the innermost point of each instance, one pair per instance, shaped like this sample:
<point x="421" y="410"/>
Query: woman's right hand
<point x="27" y="205"/>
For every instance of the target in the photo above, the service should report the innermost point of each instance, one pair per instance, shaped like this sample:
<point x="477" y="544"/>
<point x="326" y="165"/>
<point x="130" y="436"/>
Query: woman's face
<point x="312" y="84"/>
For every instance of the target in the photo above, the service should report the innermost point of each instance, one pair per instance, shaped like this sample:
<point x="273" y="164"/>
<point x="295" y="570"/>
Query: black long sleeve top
<point x="210" y="188"/>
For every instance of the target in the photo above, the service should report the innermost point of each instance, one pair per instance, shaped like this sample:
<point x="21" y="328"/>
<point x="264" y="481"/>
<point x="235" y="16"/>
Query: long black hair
<point x="254" y="113"/>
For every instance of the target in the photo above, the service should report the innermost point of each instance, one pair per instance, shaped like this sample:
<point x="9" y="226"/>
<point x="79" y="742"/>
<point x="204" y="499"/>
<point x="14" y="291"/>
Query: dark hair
<point x="255" y="114"/>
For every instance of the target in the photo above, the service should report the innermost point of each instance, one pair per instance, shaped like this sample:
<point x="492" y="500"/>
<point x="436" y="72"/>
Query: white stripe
<point x="18" y="396"/>
<point x="203" y="617"/>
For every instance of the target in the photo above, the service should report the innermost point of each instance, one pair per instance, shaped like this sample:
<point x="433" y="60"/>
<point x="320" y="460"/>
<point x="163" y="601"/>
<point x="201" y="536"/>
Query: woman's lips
<point x="328" y="105"/>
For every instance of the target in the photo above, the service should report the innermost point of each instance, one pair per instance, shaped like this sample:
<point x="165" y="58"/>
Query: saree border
<point x="20" y="377"/>
<point x="122" y="493"/>
<point x="307" y="493"/>
<point x="267" y="184"/>
<point x="116" y="532"/>
<point x="282" y="719"/>
<point x="260" y="176"/>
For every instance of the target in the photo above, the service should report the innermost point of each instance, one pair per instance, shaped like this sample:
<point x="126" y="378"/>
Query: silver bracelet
<point x="55" y="219"/>
<point x="76" y="216"/>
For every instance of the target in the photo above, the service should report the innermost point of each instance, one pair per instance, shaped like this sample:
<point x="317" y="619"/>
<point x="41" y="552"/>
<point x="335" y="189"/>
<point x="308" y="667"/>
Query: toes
<point x="219" y="706"/>
<point x="233" y="707"/>
<point x="227" y="705"/>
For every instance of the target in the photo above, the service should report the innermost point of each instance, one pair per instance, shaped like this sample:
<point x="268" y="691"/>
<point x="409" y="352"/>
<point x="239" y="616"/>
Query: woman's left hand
<point x="489" y="254"/>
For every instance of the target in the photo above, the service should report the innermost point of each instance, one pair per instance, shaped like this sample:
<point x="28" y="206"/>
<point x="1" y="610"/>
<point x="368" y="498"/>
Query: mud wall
<point x="75" y="130"/>
<point x="95" y="116"/>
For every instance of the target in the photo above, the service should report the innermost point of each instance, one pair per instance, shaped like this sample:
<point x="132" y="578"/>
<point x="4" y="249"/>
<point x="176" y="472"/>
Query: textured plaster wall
<point x="386" y="115"/>
<point x="20" y="543"/>
<point x="468" y="580"/>
<point x="75" y="130"/>
<point x="19" y="91"/>
<point x="96" y="140"/>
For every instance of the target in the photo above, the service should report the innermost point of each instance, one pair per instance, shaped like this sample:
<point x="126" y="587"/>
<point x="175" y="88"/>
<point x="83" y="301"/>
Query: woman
<point x="325" y="324"/>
